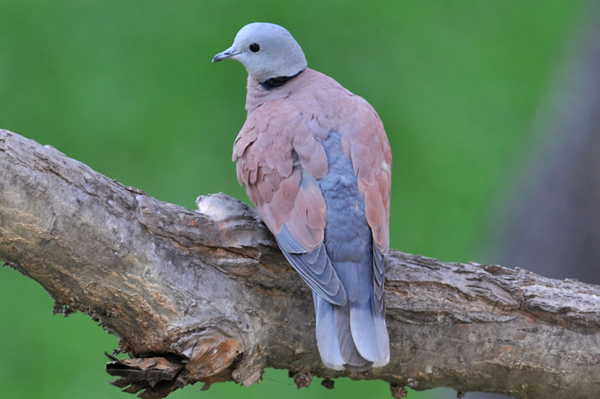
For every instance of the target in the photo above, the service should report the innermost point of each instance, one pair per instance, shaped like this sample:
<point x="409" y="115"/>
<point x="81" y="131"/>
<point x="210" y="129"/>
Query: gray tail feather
<point x="343" y="347"/>
<point x="370" y="333"/>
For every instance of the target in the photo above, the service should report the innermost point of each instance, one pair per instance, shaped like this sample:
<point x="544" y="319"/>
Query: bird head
<point x="266" y="50"/>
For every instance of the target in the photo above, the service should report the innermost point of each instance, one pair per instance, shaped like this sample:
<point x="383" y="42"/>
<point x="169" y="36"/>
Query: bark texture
<point x="207" y="296"/>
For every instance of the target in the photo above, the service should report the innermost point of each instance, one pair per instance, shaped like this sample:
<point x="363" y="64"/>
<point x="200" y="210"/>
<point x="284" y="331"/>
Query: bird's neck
<point x="274" y="83"/>
<point x="258" y="95"/>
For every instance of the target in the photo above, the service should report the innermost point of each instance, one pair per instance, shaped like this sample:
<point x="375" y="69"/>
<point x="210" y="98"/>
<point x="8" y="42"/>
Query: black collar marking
<point x="279" y="81"/>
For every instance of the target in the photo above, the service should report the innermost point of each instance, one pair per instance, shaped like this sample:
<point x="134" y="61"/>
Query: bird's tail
<point x="352" y="336"/>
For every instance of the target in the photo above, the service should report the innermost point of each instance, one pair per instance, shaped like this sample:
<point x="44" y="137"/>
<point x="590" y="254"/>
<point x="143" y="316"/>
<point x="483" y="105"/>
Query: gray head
<point x="266" y="50"/>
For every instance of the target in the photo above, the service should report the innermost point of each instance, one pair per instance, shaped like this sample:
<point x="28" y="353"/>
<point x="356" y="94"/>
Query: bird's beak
<point x="229" y="53"/>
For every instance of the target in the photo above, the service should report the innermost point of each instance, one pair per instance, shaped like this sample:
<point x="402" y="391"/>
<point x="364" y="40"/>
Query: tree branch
<point x="207" y="296"/>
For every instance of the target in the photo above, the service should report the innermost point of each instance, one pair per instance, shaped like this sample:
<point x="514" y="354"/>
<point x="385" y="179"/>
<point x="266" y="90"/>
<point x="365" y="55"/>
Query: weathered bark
<point x="207" y="296"/>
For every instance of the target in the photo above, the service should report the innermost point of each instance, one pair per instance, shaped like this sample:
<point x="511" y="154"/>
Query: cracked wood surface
<point x="207" y="296"/>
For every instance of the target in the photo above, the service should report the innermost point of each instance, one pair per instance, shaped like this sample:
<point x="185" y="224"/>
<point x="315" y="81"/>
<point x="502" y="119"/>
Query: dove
<point x="315" y="160"/>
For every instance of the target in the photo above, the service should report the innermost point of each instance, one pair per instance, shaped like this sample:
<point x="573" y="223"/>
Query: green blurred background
<point x="127" y="87"/>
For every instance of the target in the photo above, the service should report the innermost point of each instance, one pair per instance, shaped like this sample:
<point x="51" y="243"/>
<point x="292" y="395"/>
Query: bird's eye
<point x="254" y="47"/>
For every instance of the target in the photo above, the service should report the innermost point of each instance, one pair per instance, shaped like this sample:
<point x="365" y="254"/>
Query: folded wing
<point x="278" y="161"/>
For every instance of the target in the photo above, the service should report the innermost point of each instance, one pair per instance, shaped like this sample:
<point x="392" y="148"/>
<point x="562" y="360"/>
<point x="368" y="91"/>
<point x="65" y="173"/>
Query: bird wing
<point x="364" y="141"/>
<point x="279" y="160"/>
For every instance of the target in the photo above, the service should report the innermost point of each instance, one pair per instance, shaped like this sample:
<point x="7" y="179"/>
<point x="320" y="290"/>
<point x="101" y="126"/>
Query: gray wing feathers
<point x="378" y="280"/>
<point x="288" y="243"/>
<point x="314" y="266"/>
